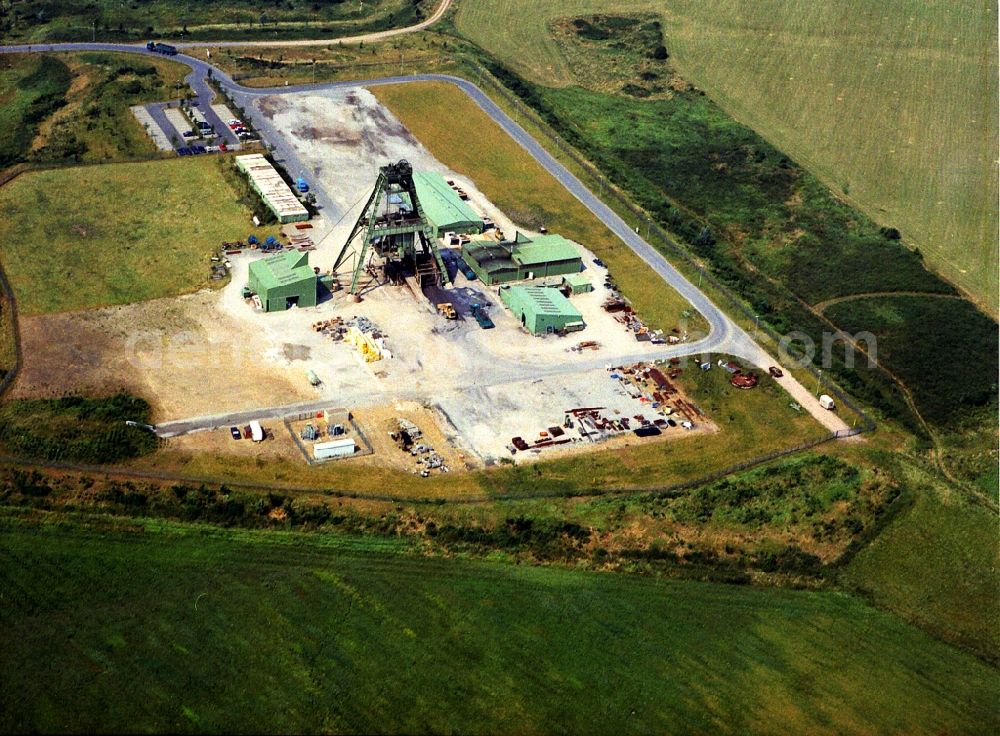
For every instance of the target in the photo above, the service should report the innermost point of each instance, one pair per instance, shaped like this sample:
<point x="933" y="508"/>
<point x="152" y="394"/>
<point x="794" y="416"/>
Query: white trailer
<point x="256" y="431"/>
<point x="334" y="448"/>
<point x="827" y="402"/>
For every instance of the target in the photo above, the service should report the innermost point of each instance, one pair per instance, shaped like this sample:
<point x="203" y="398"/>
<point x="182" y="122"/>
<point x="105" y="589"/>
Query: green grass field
<point x="93" y="236"/>
<point x="894" y="105"/>
<point x="150" y="626"/>
<point x="472" y="144"/>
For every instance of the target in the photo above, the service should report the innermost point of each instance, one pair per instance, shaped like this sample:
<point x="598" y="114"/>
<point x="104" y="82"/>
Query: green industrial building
<point x="523" y="259"/>
<point x="443" y="208"/>
<point x="542" y="310"/>
<point x="283" y="281"/>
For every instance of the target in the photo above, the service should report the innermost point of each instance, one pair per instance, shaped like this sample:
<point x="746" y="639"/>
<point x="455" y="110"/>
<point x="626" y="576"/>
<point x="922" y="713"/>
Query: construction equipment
<point x="394" y="224"/>
<point x="447" y="310"/>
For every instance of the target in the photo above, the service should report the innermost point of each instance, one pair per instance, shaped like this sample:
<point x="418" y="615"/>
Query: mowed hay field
<point x="136" y="625"/>
<point x="893" y="105"/>
<point x="468" y="141"/>
<point x="92" y="236"/>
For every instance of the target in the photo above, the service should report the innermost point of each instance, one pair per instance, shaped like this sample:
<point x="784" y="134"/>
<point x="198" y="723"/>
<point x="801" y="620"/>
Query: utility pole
<point x="94" y="36"/>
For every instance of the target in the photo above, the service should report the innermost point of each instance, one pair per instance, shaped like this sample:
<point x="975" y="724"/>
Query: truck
<point x="161" y="48"/>
<point x="827" y="402"/>
<point x="256" y="431"/>
<point x="479" y="312"/>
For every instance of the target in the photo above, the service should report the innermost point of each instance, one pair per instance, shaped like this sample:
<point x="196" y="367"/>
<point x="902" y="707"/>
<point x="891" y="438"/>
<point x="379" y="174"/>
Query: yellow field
<point x="893" y="104"/>
<point x="472" y="144"/>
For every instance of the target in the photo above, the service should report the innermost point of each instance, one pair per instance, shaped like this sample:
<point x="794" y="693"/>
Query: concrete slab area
<point x="153" y="129"/>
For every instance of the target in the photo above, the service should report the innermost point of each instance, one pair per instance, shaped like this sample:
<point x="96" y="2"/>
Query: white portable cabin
<point x="334" y="448"/>
<point x="256" y="431"/>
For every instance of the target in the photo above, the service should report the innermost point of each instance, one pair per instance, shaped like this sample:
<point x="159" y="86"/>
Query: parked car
<point x="235" y="432"/>
<point x="599" y="262"/>
<point x="189" y="134"/>
<point x="775" y="371"/>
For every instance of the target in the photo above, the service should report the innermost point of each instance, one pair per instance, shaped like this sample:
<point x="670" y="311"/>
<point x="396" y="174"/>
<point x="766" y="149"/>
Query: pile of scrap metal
<point x="334" y="328"/>
<point x="626" y="316"/>
<point x="649" y="385"/>
<point x="407" y="437"/>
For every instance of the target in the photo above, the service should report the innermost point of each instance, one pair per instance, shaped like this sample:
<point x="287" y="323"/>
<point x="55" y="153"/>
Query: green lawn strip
<point x="165" y="627"/>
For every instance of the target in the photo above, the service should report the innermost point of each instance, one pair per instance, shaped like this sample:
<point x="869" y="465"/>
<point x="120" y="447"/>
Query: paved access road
<point x="725" y="336"/>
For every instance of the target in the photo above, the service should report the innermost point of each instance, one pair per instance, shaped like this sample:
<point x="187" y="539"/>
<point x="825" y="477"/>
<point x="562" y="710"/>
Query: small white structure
<point x="827" y="402"/>
<point x="256" y="431"/>
<point x="334" y="448"/>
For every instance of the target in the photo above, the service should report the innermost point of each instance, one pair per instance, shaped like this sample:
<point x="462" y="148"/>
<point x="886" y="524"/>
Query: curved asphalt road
<point x="725" y="336"/>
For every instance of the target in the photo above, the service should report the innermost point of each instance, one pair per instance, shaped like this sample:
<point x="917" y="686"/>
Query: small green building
<point x="523" y="259"/>
<point x="542" y="310"/>
<point x="577" y="283"/>
<point x="444" y="209"/>
<point x="283" y="281"/>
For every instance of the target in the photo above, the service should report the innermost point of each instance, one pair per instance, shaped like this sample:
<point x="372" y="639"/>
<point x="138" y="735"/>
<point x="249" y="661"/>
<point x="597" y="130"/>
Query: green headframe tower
<point x="394" y="227"/>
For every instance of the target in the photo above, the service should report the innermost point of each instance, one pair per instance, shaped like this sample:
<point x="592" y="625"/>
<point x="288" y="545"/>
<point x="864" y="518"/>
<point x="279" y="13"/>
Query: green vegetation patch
<point x="944" y="350"/>
<point x="774" y="214"/>
<point x="937" y="565"/>
<point x="617" y="53"/>
<point x="90" y="430"/>
<point x="93" y="236"/>
<point x="196" y="629"/>
<point x="31" y="88"/>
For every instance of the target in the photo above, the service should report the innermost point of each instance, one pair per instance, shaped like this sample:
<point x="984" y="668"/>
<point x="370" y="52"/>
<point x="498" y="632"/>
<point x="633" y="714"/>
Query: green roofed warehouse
<point x="442" y="206"/>
<point x="524" y="258"/>
<point x="283" y="280"/>
<point x="541" y="309"/>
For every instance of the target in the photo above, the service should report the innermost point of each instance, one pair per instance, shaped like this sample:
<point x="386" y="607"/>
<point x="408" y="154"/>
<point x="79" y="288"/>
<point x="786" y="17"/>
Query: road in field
<point x="725" y="336"/>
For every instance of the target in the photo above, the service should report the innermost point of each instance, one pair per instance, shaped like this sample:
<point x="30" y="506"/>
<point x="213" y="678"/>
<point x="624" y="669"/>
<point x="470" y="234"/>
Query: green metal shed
<point x="283" y="280"/>
<point x="444" y="209"/>
<point x="578" y="283"/>
<point x="542" y="310"/>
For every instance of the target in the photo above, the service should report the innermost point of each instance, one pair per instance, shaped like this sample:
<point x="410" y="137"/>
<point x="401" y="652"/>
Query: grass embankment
<point x="31" y="89"/>
<point x="194" y="629"/>
<point x="893" y="106"/>
<point x="468" y="141"/>
<point x="37" y="21"/>
<point x="94" y="236"/>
